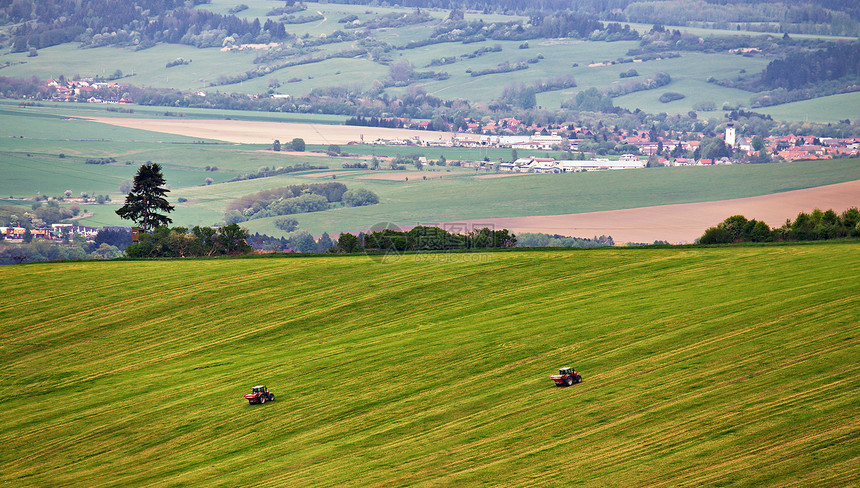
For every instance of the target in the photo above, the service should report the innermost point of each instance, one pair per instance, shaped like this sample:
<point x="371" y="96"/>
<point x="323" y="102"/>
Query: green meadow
<point x="824" y="109"/>
<point x="701" y="366"/>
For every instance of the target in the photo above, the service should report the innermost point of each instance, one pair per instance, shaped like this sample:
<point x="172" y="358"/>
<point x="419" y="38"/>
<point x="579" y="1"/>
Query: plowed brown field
<point x="253" y="132"/>
<point x="684" y="223"/>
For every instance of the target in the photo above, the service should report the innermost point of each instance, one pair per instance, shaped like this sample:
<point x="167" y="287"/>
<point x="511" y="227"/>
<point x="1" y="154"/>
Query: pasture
<point x="824" y="109"/>
<point x="701" y="366"/>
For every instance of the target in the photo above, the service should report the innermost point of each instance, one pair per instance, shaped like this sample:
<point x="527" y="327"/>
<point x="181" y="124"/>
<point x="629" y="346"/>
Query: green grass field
<point x="824" y="109"/>
<point x="702" y="366"/>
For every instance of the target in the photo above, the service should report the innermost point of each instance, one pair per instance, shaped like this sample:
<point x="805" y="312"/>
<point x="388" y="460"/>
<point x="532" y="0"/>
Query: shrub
<point x="360" y="197"/>
<point x="286" y="224"/>
<point x="671" y="97"/>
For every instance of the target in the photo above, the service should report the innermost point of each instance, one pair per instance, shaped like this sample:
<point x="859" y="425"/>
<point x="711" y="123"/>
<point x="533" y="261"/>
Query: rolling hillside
<point x="702" y="366"/>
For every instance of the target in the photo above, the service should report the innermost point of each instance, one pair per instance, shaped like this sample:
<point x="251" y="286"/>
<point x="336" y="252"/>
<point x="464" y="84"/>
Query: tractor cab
<point x="259" y="394"/>
<point x="566" y="376"/>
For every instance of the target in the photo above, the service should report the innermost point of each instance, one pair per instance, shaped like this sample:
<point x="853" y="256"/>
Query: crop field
<point x="701" y="366"/>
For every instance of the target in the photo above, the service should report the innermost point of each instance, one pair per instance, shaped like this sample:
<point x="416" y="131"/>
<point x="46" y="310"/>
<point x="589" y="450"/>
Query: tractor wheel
<point x="569" y="381"/>
<point x="250" y="402"/>
<point x="263" y="399"/>
<point x="271" y="397"/>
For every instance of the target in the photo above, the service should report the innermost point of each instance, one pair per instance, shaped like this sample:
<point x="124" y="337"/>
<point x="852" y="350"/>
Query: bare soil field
<point x="684" y="223"/>
<point x="254" y="132"/>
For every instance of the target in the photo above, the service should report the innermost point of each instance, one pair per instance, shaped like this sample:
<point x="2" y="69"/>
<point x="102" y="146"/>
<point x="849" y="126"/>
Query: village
<point x="637" y="148"/>
<point x="51" y="233"/>
<point x="661" y="150"/>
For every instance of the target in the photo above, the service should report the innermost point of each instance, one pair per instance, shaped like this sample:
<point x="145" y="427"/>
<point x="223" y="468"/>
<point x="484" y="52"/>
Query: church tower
<point x="730" y="134"/>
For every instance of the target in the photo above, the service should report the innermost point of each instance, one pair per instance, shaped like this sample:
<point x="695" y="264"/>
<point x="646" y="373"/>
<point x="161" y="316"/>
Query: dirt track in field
<point x="684" y="223"/>
<point x="253" y="132"/>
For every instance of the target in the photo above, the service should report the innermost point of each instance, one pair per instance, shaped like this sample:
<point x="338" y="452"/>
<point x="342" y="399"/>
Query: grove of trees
<point x="814" y="226"/>
<point x="422" y="238"/>
<point x="295" y="199"/>
<point x="180" y="242"/>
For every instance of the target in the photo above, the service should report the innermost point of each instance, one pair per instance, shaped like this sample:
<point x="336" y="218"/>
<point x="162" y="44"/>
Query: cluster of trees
<point x="812" y="70"/>
<point x="177" y="62"/>
<point x="141" y="24"/>
<point x="300" y="241"/>
<point x="818" y="225"/>
<point x="393" y="20"/>
<point x="392" y="122"/>
<point x="525" y="96"/>
<point x="422" y="238"/>
<point x="301" y="19"/>
<point x="833" y="17"/>
<point x="712" y="148"/>
<point x="839" y="60"/>
<point x="630" y="73"/>
<point x="39" y="215"/>
<point x="180" y="242"/>
<point x="670" y="97"/>
<point x="650" y="83"/>
<point x="504" y="67"/>
<point x="290" y="7"/>
<point x="562" y="23"/>
<point x="266" y="172"/>
<point x="297" y="144"/>
<point x="296" y="199"/>
<point x="538" y="239"/>
<point x="591" y="100"/>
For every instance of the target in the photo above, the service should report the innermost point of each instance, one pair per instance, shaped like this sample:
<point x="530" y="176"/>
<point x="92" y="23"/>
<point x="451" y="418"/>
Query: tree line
<point x="539" y="239"/>
<point x="142" y="23"/>
<point x="181" y="242"/>
<point x="814" y="226"/>
<point x="423" y="238"/>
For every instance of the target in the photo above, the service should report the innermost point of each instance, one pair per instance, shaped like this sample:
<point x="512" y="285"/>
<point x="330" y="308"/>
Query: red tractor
<point x="259" y="394"/>
<point x="566" y="377"/>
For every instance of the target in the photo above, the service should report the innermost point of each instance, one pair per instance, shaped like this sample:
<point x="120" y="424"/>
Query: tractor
<point x="566" y="377"/>
<point x="259" y="394"/>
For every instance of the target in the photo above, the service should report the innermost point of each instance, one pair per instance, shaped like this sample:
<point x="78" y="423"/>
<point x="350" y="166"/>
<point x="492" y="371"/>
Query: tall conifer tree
<point x="146" y="199"/>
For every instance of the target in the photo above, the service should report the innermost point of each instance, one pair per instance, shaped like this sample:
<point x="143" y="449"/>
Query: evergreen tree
<point x="146" y="199"/>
